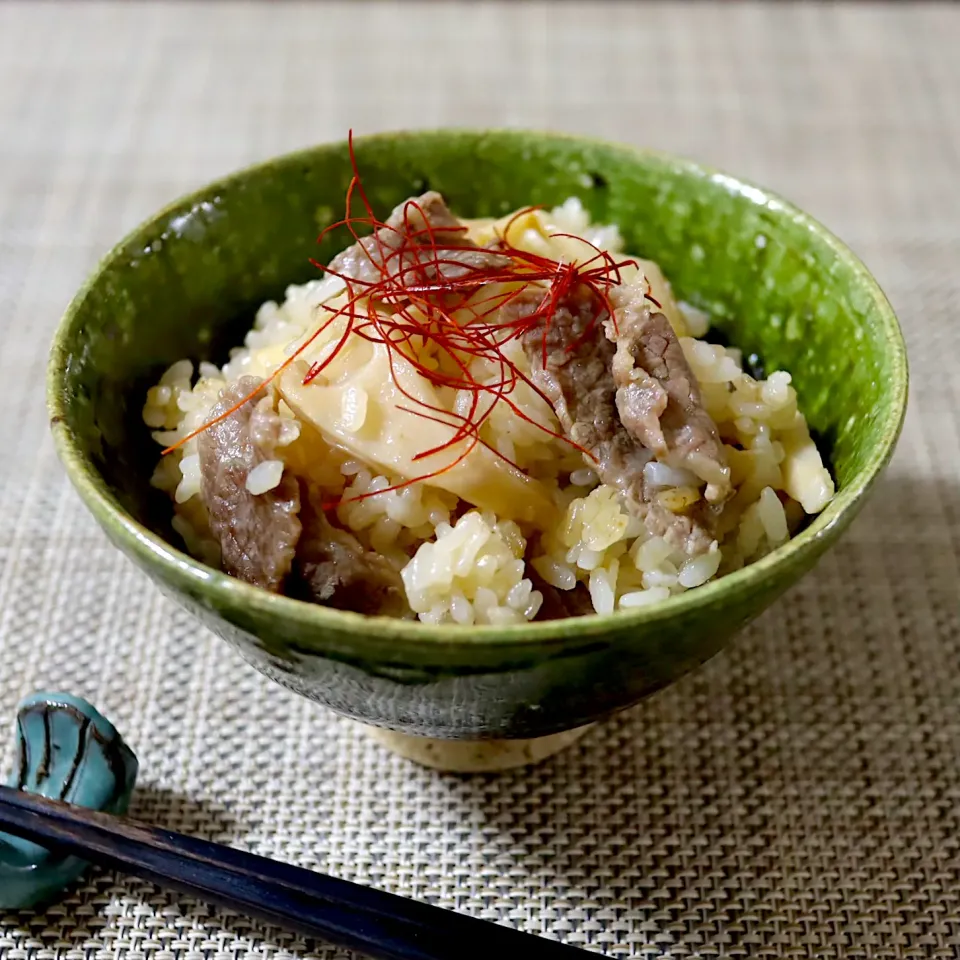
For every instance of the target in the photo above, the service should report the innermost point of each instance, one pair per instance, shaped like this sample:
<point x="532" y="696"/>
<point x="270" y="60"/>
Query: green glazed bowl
<point x="188" y="281"/>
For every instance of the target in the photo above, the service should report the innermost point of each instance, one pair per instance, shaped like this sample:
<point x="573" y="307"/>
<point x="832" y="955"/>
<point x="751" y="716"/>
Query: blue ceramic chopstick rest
<point x="65" y="750"/>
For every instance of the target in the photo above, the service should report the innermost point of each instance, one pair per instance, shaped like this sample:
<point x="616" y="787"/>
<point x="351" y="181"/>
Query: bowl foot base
<point x="474" y="756"/>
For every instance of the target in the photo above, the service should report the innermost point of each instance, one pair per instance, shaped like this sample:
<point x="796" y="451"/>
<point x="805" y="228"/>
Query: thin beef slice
<point x="257" y="533"/>
<point x="334" y="569"/>
<point x="578" y="381"/>
<point x="657" y="395"/>
<point x="424" y="222"/>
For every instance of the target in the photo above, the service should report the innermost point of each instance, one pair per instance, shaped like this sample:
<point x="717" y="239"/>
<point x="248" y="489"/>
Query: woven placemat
<point x="797" y="797"/>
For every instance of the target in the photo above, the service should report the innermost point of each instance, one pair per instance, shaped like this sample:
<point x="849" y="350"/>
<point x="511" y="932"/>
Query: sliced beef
<point x="692" y="531"/>
<point x="334" y="569"/>
<point x="257" y="532"/>
<point x="658" y="397"/>
<point x="423" y="221"/>
<point x="579" y="385"/>
<point x="560" y="604"/>
<point x="281" y="539"/>
<point x="577" y="379"/>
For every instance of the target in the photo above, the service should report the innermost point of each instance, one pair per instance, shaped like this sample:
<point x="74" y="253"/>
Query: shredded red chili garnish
<point x="414" y="301"/>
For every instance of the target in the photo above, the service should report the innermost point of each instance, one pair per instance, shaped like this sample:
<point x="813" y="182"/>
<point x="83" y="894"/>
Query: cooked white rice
<point x="464" y="563"/>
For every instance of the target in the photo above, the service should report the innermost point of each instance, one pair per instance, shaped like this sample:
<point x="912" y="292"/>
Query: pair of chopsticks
<point x="378" y="924"/>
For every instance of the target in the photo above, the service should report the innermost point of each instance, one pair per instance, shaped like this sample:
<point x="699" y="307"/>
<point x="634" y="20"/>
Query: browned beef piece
<point x="334" y="569"/>
<point x="560" y="604"/>
<point x="692" y="532"/>
<point x="424" y="220"/>
<point x="658" y="397"/>
<point x="257" y="533"/>
<point x="579" y="385"/>
<point x="578" y="382"/>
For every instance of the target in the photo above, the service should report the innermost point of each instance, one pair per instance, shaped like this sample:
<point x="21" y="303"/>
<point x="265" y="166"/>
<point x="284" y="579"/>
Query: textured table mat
<point x="797" y="797"/>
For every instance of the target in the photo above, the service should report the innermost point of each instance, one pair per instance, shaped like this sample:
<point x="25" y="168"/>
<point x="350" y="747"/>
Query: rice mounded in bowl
<point x="524" y="518"/>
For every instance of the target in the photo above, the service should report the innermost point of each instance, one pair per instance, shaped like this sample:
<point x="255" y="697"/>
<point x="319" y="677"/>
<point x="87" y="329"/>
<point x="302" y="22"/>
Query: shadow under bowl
<point x="187" y="284"/>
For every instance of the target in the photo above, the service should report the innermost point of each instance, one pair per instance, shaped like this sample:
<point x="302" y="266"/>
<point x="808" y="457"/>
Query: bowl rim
<point x="141" y="542"/>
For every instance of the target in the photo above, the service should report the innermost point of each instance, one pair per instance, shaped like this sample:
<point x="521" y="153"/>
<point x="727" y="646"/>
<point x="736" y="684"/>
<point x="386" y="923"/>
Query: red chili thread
<point x="420" y="300"/>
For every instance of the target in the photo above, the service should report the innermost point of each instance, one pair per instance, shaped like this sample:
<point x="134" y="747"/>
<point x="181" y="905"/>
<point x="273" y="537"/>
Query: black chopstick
<point x="381" y="925"/>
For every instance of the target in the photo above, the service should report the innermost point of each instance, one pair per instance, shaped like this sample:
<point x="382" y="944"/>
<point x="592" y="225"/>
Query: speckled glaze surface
<point x="187" y="282"/>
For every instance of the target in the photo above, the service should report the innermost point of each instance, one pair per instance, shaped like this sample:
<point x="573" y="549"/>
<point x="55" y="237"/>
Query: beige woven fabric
<point x="799" y="796"/>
